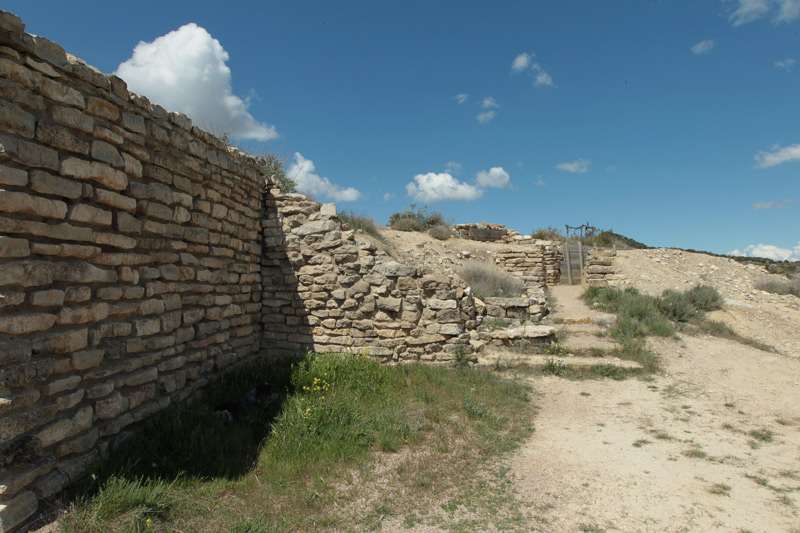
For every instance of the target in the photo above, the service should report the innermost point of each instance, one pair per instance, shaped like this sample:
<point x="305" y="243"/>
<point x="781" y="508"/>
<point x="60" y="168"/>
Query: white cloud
<point x="611" y="168"/>
<point x="751" y="10"/>
<point x="495" y="177"/>
<point x="486" y="116"/>
<point x="302" y="172"/>
<point x="489" y="103"/>
<point x="388" y="196"/>
<point x="185" y="71"/>
<point x="539" y="182"/>
<point x="785" y="64"/>
<point x="778" y="155"/>
<point x="770" y="252"/>
<point x="772" y="205"/>
<point x="542" y="77"/>
<point x="703" y="47"/>
<point x="524" y="62"/>
<point x="453" y="167"/>
<point x="579" y="166"/>
<point x="433" y="187"/>
<point x="462" y="98"/>
<point x="521" y="62"/>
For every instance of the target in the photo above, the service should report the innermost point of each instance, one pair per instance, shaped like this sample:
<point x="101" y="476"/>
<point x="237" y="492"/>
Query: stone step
<point x="511" y="360"/>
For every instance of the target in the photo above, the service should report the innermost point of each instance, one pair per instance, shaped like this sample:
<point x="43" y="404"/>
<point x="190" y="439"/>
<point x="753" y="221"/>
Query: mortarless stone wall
<point x="539" y="263"/>
<point x="130" y="258"/>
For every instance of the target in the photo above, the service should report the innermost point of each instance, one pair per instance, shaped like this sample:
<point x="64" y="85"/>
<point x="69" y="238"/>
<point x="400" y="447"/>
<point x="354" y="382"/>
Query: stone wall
<point x="130" y="258"/>
<point x="538" y="265"/>
<point x="599" y="270"/>
<point x="482" y="231"/>
<point x="325" y="291"/>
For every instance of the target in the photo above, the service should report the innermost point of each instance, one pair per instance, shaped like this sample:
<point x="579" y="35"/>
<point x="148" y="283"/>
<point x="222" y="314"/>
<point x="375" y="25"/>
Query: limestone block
<point x="64" y="428"/>
<point x="395" y="269"/>
<point x="110" y="407"/>
<point x="10" y="247"/>
<point x="115" y="200"/>
<point x="95" y="171"/>
<point x="82" y="315"/>
<point x="13" y="176"/>
<point x="26" y="323"/>
<point x="19" y="202"/>
<point x="392" y="305"/>
<point x="16" y="511"/>
<point x="102" y="108"/>
<point x="60" y="137"/>
<point x="62" y="342"/>
<point x="15" y="120"/>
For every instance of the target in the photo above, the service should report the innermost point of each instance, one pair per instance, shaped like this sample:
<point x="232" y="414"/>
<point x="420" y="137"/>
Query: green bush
<point x="549" y="233"/>
<point x="441" y="232"/>
<point x="676" y="306"/>
<point x="273" y="170"/>
<point x="704" y="298"/>
<point x="487" y="280"/>
<point x="416" y="219"/>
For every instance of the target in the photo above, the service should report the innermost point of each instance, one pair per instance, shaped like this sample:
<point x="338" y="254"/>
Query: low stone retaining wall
<point x="537" y="265"/>
<point x="599" y="270"/>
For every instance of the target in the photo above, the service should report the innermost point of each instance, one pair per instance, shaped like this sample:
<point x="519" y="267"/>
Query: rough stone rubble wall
<point x="129" y="263"/>
<point x="539" y="264"/>
<point x="599" y="270"/>
<point x="491" y="232"/>
<point x="325" y="291"/>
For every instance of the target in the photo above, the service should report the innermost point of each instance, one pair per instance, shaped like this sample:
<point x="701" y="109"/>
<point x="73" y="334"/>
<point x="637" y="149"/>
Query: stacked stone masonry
<point x="599" y="270"/>
<point x="539" y="264"/>
<point x="324" y="291"/>
<point x="491" y="233"/>
<point x="130" y="258"/>
<point x="141" y="256"/>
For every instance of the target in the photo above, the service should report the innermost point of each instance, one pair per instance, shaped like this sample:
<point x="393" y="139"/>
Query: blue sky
<point x="675" y="123"/>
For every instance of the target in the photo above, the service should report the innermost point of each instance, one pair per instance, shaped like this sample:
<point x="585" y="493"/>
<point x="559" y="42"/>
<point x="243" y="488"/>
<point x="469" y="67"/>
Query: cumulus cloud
<point x="521" y="62"/>
<point x="438" y="187"/>
<point x="778" y="155"/>
<point x="703" y="47"/>
<point x="302" y="172"/>
<point x="462" y="98"/>
<point x="388" y="196"/>
<point x="524" y="62"/>
<point x="539" y="182"/>
<point x="489" y="103"/>
<point x="785" y="64"/>
<point x="486" y="116"/>
<point x="185" y="71"/>
<point x="579" y="166"/>
<point x="770" y="252"/>
<point x="772" y="205"/>
<point x="495" y="177"/>
<point x="779" y="10"/>
<point x="433" y="187"/>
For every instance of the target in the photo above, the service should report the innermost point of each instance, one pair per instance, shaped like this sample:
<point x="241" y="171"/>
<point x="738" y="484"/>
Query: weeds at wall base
<point x="334" y="414"/>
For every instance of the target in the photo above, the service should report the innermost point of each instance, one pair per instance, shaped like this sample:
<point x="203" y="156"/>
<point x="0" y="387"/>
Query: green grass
<point x="720" y="489"/>
<point x="763" y="434"/>
<point x="294" y="467"/>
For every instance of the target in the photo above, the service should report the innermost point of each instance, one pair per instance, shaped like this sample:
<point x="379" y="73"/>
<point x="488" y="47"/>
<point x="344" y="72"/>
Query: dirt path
<point x="672" y="453"/>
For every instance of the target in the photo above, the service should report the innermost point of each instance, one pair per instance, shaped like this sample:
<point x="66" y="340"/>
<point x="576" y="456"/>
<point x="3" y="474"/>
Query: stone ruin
<point x="140" y="257"/>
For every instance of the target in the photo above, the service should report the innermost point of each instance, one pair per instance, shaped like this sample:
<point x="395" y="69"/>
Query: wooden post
<point x="580" y="256"/>
<point x="569" y="263"/>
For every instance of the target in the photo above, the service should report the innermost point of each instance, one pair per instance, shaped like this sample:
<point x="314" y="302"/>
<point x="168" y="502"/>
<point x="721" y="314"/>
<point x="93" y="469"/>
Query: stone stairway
<point x="583" y="336"/>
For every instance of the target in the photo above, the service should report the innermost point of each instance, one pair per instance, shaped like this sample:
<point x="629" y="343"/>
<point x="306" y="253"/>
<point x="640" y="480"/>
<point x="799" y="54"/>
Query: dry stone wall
<point x="130" y="258"/>
<point x="599" y="270"/>
<point x="483" y="231"/>
<point x="324" y="291"/>
<point x="539" y="264"/>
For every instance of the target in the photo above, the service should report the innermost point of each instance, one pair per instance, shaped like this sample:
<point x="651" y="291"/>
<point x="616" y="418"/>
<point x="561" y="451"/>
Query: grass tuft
<point x="488" y="280"/>
<point x="361" y="222"/>
<point x="789" y="286"/>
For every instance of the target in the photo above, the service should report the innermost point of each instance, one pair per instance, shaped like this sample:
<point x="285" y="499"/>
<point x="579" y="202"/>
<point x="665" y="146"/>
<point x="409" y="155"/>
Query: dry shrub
<point x="488" y="280"/>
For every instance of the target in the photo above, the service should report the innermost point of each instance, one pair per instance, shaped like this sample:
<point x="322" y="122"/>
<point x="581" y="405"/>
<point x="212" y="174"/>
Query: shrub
<point x="273" y="170"/>
<point x="676" y="306"/>
<point x="704" y="298"/>
<point x="780" y="287"/>
<point x="416" y="219"/>
<point x="360" y="222"/>
<point x="487" y="280"/>
<point x="441" y="232"/>
<point x="547" y="234"/>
